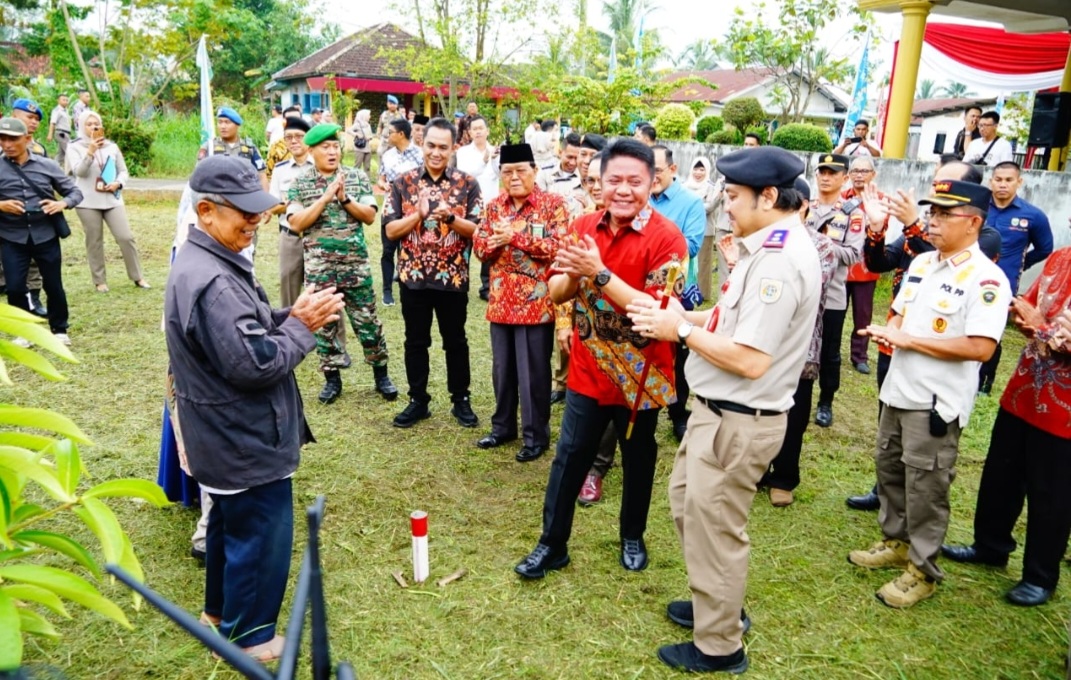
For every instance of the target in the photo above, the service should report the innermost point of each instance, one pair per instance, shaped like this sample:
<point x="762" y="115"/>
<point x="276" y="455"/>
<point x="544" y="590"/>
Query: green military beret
<point x="321" y="133"/>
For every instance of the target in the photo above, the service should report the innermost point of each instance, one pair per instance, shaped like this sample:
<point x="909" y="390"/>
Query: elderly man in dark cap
<point x="240" y="414"/>
<point x="746" y="357"/>
<point x="329" y="206"/>
<point x="519" y="237"/>
<point x="947" y="318"/>
<point x="229" y="143"/>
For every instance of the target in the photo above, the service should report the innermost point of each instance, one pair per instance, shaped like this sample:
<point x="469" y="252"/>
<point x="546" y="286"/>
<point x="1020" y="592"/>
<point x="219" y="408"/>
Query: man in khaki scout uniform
<point x="948" y="317"/>
<point x="746" y="358"/>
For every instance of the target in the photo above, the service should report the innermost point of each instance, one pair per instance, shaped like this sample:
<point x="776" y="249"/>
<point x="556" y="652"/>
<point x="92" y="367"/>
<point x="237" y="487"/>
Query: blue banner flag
<point x="855" y="111"/>
<point x="208" y="115"/>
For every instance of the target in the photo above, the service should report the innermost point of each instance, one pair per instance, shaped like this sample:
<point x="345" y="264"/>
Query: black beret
<point x="592" y="141"/>
<point x="803" y="186"/>
<point x="296" y="123"/>
<point x="420" y="119"/>
<point x="953" y="193"/>
<point x="834" y="161"/>
<point x="515" y="153"/>
<point x="765" y="166"/>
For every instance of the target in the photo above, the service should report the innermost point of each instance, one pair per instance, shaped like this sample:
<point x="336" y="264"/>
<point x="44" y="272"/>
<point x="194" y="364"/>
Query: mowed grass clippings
<point x="814" y="614"/>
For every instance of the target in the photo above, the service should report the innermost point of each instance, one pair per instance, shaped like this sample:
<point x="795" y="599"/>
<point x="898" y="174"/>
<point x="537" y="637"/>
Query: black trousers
<point x="386" y="260"/>
<point x="520" y="374"/>
<point x="450" y="309"/>
<point x="485" y="279"/>
<point x="583" y="424"/>
<point x="16" y="258"/>
<point x="987" y="372"/>
<point x="784" y="472"/>
<point x="1025" y="463"/>
<point x="829" y="369"/>
<point x="679" y="409"/>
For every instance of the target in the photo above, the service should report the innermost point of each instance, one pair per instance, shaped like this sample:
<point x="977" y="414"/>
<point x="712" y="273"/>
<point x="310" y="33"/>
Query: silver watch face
<point x="602" y="278"/>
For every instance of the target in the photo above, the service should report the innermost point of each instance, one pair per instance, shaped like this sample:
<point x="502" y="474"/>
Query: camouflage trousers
<point x="351" y="276"/>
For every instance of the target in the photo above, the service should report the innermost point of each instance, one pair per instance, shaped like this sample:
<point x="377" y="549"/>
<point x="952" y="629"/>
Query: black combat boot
<point x="332" y="388"/>
<point x="383" y="383"/>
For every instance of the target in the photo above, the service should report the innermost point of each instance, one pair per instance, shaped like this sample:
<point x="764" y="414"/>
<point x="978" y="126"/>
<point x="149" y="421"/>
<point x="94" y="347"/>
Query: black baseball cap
<point x="234" y="179"/>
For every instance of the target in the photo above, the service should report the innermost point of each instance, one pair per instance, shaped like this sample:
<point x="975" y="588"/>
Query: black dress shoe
<point x="35" y="304"/>
<point x="557" y="396"/>
<point x="529" y="453"/>
<point x="868" y="501"/>
<point x="412" y="414"/>
<point x="824" y="416"/>
<point x="1028" y="595"/>
<point x="462" y="412"/>
<point x="686" y="656"/>
<point x="968" y="554"/>
<point x="863" y="368"/>
<point x="199" y="556"/>
<point x="540" y="561"/>
<point x="493" y="441"/>
<point x="680" y="426"/>
<point x="332" y="388"/>
<point x="681" y="613"/>
<point x="633" y="554"/>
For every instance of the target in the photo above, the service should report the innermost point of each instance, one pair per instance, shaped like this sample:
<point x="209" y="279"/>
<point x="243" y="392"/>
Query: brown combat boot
<point x="881" y="555"/>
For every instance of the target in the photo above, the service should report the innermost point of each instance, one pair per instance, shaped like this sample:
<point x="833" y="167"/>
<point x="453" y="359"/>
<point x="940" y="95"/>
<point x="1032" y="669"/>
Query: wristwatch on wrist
<point x="450" y="219"/>
<point x="602" y="278"/>
<point x="346" y="201"/>
<point x="684" y="329"/>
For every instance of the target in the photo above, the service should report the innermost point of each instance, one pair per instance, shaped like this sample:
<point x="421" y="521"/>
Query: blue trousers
<point x="247" y="560"/>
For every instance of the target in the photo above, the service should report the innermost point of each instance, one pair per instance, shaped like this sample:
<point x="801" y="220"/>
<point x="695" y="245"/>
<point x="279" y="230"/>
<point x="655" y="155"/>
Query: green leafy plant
<point x="708" y="125"/>
<point x="134" y="140"/>
<point x="32" y="516"/>
<point x="727" y="136"/>
<point x="802" y="137"/>
<point x="743" y="113"/>
<point x="674" y="121"/>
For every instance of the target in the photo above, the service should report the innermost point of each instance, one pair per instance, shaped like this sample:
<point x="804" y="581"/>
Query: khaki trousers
<point x="560" y="366"/>
<point x="706" y="264"/>
<point x="93" y="222"/>
<point x="291" y="267"/>
<point x="715" y="476"/>
<point x="915" y="470"/>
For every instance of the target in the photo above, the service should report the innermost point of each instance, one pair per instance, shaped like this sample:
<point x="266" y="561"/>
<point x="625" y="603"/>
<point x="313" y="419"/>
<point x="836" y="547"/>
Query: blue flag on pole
<point x="855" y="112"/>
<point x="639" y="46"/>
<point x="208" y="114"/>
<point x="612" y="68"/>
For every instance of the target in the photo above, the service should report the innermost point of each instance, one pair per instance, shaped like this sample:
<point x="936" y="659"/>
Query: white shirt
<point x="859" y="149"/>
<point x="470" y="161"/>
<point x="282" y="178"/>
<point x="1001" y="151"/>
<point x="274" y="129"/>
<point x="965" y="295"/>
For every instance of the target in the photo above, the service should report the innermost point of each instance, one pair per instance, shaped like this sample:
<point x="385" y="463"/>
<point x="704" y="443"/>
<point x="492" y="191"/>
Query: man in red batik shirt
<point x="519" y="238"/>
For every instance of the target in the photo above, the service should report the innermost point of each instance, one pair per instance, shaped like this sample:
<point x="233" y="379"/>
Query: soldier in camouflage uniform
<point x="329" y="206"/>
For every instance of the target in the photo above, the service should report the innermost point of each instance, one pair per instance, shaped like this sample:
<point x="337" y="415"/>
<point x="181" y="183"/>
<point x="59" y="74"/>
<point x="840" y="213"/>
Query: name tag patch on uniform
<point x="961" y="258"/>
<point x="835" y="233"/>
<point x="538" y="230"/>
<point x="776" y="239"/>
<point x="770" y="290"/>
<point x="940" y="325"/>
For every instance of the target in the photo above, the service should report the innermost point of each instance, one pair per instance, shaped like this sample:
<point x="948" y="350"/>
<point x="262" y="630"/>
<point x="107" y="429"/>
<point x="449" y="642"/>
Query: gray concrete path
<point x="148" y="189"/>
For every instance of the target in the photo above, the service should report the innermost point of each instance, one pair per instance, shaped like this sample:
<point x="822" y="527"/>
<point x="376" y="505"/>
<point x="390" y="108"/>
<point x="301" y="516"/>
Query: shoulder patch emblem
<point x="770" y="290"/>
<point x="776" y="239"/>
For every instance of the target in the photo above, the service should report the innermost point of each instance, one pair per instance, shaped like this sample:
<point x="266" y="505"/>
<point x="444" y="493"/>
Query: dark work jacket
<point x="233" y="359"/>
<point x="48" y="179"/>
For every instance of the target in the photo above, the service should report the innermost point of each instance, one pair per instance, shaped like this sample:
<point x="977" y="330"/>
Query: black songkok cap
<point x="515" y="153"/>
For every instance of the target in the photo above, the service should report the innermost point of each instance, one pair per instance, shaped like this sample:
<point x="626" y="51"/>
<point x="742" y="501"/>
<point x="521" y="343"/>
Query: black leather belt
<point x="284" y="230"/>
<point x="717" y="406"/>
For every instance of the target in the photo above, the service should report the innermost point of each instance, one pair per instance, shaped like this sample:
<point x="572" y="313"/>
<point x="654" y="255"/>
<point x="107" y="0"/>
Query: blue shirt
<point x="1021" y="224"/>
<point x="684" y="209"/>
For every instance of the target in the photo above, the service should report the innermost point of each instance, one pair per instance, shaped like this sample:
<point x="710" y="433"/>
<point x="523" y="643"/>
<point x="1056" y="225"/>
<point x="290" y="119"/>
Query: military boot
<point x="883" y="554"/>
<point x="332" y="388"/>
<point x="383" y="383"/>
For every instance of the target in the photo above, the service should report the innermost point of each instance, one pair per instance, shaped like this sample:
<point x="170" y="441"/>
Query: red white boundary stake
<point x="418" y="522"/>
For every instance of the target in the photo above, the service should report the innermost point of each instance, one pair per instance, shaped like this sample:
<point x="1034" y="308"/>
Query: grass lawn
<point x="815" y="615"/>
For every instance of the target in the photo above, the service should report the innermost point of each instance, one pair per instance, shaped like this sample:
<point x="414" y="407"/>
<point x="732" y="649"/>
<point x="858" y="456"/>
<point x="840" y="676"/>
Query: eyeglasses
<point x="944" y="215"/>
<point x="860" y="171"/>
<point x="248" y="216"/>
<point x="659" y="171"/>
<point x="987" y="124"/>
<point x="589" y="181"/>
<point x="294" y="138"/>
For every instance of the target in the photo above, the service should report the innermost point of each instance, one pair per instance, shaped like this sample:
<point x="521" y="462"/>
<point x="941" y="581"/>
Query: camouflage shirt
<point x="335" y="230"/>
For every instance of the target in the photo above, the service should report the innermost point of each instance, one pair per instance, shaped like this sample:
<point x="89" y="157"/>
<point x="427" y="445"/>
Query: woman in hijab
<point x="99" y="170"/>
<point x="699" y="182"/>
<point x="362" y="141"/>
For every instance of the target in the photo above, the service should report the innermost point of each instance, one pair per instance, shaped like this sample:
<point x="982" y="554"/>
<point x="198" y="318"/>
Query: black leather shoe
<point x="540" y="561"/>
<point x="868" y="501"/>
<point x="557" y="397"/>
<point x="686" y="656"/>
<point x="413" y="414"/>
<point x="680" y="426"/>
<point x="633" y="554"/>
<point x="968" y="554"/>
<point x="462" y="412"/>
<point x="1028" y="595"/>
<point x="384" y="385"/>
<point x="681" y="613"/>
<point x="824" y="416"/>
<point x="199" y="556"/>
<point x="332" y="388"/>
<point x="388" y="298"/>
<point x="529" y="453"/>
<point x="35" y="304"/>
<point x="493" y="441"/>
<point x="863" y="367"/>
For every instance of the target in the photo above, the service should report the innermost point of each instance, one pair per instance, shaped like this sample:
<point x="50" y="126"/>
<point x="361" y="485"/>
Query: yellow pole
<point x="1058" y="157"/>
<point x="427" y="105"/>
<point x="894" y="143"/>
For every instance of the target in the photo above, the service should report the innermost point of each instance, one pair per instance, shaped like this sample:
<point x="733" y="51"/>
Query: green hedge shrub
<point x="708" y="125"/>
<point x="803" y="137"/>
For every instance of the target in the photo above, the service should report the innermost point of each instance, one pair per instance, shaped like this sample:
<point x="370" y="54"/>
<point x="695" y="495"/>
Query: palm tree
<point x="927" y="90"/>
<point x="954" y="90"/>
<point x="625" y="17"/>
<point x="699" y="56"/>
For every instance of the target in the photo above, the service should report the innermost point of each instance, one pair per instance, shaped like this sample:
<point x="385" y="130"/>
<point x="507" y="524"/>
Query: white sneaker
<point x="63" y="337"/>
<point x="22" y="342"/>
